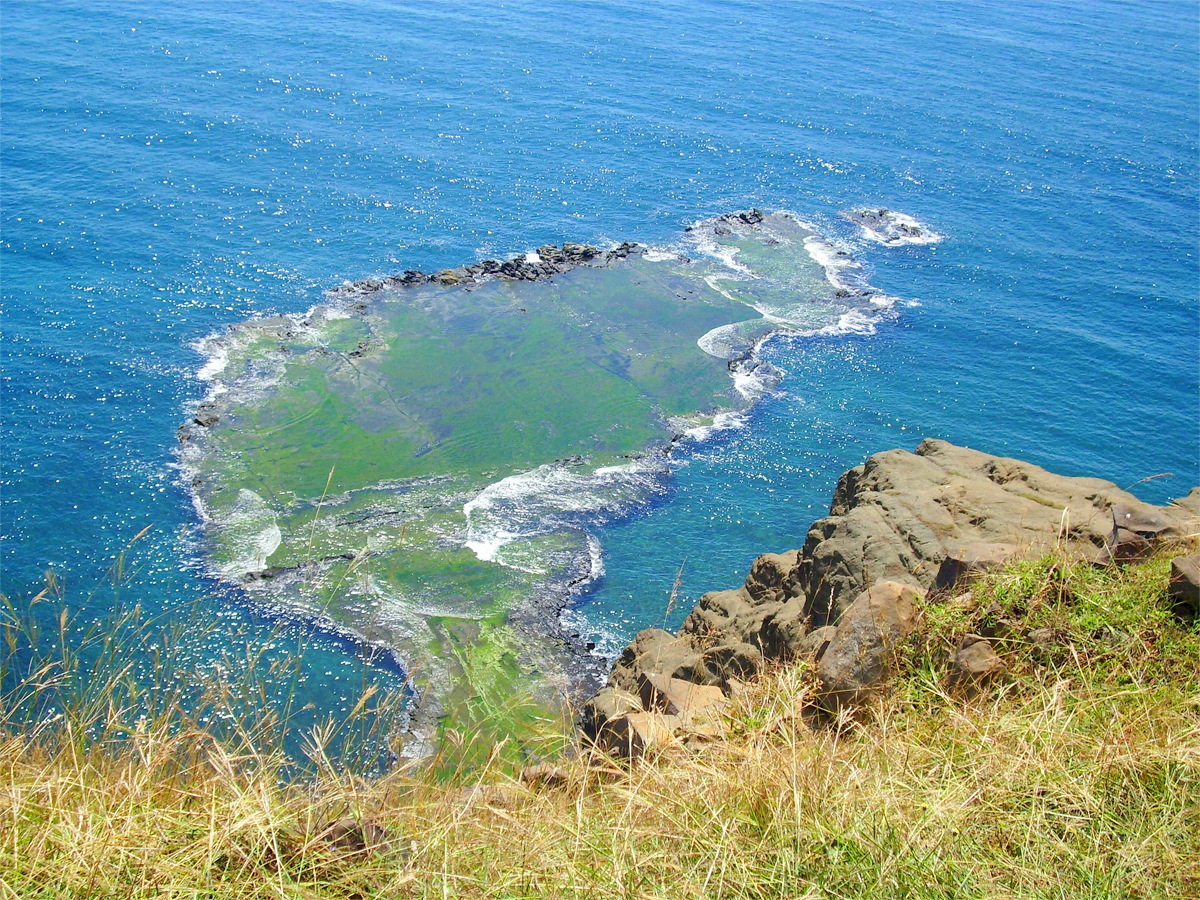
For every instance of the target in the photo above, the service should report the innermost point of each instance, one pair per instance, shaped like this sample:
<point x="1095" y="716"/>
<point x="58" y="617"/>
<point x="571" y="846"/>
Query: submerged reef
<point x="424" y="460"/>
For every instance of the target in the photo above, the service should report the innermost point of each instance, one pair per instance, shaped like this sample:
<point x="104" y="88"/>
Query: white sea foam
<point x="551" y="498"/>
<point x="704" y="242"/>
<point x="659" y="254"/>
<point x="726" y="420"/>
<point x="728" y="341"/>
<point x="891" y="228"/>
<point x="596" y="558"/>
<point x="250" y="533"/>
<point x="218" y="359"/>
<point x="833" y="259"/>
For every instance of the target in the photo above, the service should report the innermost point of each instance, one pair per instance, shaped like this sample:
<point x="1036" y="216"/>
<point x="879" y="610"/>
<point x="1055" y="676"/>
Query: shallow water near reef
<point x="169" y="172"/>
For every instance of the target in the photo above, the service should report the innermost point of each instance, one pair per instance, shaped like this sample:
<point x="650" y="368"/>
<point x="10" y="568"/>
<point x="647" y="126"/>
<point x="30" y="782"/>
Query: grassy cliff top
<point x="1075" y="775"/>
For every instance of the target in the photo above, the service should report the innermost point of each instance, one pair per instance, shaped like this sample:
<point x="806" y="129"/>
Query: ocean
<point x="167" y="171"/>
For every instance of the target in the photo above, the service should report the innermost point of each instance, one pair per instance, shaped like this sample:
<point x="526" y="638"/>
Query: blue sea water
<point x="166" y="170"/>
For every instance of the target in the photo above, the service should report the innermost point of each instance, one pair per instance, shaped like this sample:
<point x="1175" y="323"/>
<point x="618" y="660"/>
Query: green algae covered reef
<point x="424" y="460"/>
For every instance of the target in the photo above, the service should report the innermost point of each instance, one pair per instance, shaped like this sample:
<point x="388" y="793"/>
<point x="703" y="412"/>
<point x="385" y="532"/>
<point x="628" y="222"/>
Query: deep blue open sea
<point x="168" y="169"/>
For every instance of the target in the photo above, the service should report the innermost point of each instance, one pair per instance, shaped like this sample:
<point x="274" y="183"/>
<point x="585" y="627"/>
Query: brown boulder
<point x="734" y="661"/>
<point x="899" y="515"/>
<point x="783" y="632"/>
<point x="1136" y="529"/>
<point x="636" y="734"/>
<point x="774" y="577"/>
<point x="677" y="697"/>
<point x="862" y="651"/>
<point x="1184" y="587"/>
<point x="816" y="642"/>
<point x="975" y="664"/>
<point x="608" y="704"/>
<point x="728" y="615"/>
<point x="660" y="652"/>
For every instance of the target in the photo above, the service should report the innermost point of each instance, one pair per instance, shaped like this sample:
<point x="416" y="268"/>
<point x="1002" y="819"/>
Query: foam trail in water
<point x="252" y="534"/>
<point x="554" y="497"/>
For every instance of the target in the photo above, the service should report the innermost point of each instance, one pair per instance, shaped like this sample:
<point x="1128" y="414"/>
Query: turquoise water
<point x="167" y="171"/>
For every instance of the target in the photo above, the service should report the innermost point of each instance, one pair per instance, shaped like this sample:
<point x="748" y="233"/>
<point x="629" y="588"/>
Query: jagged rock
<point x="773" y="578"/>
<point x="930" y="518"/>
<point x="861" y="653"/>
<point x="735" y="660"/>
<point x="783" y="633"/>
<point x="579" y="252"/>
<point x="899" y="515"/>
<point x="413" y="277"/>
<point x="609" y="703"/>
<point x="677" y="697"/>
<point x="657" y="651"/>
<point x="975" y="664"/>
<point x="816" y="643"/>
<point x="725" y="615"/>
<point x="739" y="615"/>
<point x="521" y="270"/>
<point x="633" y="735"/>
<point x="1135" y="531"/>
<point x="1185" y="585"/>
<point x="965" y="562"/>
<point x="206" y="415"/>
<point x="451" y="276"/>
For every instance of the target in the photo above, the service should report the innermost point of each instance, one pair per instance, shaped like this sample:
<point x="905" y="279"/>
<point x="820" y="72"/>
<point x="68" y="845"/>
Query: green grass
<point x="1076" y="775"/>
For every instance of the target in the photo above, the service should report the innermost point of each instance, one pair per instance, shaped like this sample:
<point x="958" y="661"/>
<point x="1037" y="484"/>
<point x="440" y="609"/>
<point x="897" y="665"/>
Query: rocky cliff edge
<point x="901" y="526"/>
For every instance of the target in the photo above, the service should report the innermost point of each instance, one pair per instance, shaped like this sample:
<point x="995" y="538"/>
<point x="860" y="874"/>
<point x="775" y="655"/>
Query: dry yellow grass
<point x="1079" y="776"/>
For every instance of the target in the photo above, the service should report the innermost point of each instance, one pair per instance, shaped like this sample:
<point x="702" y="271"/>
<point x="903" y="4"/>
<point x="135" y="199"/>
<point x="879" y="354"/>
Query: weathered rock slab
<point x="677" y="697"/>
<point x="609" y="703"/>
<point x="900" y="515"/>
<point x="636" y="734"/>
<point x="863" y="649"/>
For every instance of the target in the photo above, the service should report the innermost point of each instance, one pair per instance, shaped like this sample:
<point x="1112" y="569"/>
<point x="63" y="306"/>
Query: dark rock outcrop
<point x="546" y="262"/>
<point x="206" y="415"/>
